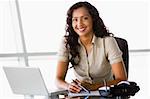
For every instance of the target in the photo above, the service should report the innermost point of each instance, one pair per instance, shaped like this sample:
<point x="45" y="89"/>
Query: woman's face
<point x="82" y="22"/>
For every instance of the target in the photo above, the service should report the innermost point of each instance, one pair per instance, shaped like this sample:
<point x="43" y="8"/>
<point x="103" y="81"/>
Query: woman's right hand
<point x="73" y="87"/>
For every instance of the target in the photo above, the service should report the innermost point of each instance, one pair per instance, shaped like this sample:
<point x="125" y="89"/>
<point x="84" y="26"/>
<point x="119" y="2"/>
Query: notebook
<point x="102" y="92"/>
<point x="83" y="93"/>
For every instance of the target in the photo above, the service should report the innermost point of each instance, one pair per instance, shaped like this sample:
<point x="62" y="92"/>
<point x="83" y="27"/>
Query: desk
<point x="56" y="95"/>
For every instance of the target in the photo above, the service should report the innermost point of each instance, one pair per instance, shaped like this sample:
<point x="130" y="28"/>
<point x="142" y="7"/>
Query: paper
<point x="83" y="93"/>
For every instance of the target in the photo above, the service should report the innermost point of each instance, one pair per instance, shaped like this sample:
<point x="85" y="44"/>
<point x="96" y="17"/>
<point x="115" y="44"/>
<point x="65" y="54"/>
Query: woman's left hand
<point x="89" y="86"/>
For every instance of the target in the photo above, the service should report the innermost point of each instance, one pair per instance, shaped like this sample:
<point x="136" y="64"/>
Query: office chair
<point x="123" y="45"/>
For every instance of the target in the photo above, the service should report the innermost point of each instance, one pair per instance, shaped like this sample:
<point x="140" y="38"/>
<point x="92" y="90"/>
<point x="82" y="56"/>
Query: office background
<point x="31" y="30"/>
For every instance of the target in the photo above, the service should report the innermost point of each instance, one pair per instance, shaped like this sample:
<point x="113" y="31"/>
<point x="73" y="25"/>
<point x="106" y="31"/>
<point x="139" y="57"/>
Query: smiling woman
<point x="84" y="46"/>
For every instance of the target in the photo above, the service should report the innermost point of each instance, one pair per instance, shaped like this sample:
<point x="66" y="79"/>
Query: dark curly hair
<point x="71" y="36"/>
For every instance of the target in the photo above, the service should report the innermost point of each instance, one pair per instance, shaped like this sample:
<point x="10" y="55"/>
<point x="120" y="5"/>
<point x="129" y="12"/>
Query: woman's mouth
<point x="81" y="29"/>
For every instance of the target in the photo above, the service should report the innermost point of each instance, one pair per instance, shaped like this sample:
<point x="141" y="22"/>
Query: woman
<point x="90" y="48"/>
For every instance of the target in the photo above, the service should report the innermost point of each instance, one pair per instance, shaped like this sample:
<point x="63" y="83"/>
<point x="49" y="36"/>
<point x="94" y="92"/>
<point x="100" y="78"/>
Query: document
<point x="83" y="93"/>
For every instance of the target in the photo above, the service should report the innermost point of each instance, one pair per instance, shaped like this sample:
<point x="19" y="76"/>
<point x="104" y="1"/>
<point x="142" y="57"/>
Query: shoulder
<point x="109" y="38"/>
<point x="106" y="40"/>
<point x="110" y="42"/>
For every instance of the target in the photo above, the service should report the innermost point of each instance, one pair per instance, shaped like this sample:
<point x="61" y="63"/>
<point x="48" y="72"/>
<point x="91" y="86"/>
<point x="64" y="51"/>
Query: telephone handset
<point x="124" y="88"/>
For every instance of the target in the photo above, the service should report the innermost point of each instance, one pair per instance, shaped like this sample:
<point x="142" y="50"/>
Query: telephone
<point x="124" y="88"/>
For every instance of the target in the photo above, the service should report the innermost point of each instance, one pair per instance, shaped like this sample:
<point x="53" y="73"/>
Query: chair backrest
<point x="123" y="45"/>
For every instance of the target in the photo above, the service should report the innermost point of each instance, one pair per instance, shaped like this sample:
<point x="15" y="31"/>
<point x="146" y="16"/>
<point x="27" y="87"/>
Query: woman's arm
<point x="61" y="72"/>
<point x="119" y="74"/>
<point x="119" y="71"/>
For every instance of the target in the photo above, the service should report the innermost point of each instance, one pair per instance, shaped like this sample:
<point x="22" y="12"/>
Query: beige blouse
<point x="96" y="67"/>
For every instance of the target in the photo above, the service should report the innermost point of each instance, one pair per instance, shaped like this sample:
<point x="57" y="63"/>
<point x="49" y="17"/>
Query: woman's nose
<point x="80" y="22"/>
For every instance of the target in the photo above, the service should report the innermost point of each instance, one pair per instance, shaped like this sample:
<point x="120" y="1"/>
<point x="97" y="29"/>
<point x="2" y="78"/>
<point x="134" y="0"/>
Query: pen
<point x="81" y="86"/>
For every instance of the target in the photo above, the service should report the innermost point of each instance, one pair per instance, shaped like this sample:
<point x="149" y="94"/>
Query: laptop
<point x="28" y="81"/>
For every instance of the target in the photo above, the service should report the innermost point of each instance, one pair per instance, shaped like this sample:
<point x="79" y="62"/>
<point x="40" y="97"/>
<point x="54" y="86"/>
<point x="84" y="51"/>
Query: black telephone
<point x="125" y="88"/>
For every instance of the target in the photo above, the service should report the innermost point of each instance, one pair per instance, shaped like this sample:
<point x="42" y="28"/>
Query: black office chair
<point x="123" y="45"/>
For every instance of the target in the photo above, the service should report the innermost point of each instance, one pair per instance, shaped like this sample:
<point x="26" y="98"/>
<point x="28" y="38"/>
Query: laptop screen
<point x="25" y="80"/>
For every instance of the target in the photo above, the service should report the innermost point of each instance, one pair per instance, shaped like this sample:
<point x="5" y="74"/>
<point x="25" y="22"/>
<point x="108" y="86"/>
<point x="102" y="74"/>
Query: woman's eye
<point x="85" y="18"/>
<point x="74" y="20"/>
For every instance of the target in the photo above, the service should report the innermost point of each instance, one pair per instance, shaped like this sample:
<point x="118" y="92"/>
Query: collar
<point x="93" y="40"/>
